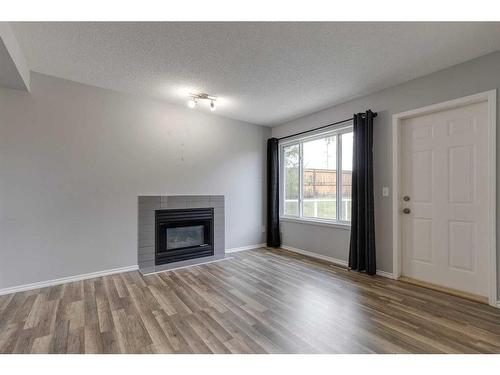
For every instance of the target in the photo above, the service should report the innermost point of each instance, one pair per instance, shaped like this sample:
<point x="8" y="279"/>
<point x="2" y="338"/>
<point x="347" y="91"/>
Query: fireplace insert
<point x="183" y="234"/>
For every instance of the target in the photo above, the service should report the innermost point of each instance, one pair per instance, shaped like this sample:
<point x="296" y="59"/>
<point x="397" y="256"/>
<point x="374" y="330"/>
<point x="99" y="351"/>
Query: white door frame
<point x="491" y="98"/>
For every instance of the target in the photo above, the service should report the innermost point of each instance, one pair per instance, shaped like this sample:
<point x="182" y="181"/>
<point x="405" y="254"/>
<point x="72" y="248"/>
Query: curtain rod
<point x="321" y="127"/>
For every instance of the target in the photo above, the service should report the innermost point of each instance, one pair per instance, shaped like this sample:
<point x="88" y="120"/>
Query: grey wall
<point x="475" y="76"/>
<point x="74" y="158"/>
<point x="14" y="71"/>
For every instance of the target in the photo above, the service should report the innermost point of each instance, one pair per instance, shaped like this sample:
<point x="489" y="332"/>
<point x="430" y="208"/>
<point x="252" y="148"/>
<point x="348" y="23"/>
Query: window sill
<point x="320" y="223"/>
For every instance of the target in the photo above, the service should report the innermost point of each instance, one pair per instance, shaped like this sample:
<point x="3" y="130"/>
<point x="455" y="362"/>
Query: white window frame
<point x="300" y="140"/>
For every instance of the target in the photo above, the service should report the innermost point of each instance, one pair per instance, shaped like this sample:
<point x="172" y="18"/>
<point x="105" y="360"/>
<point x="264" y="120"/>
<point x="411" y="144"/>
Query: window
<point x="291" y="179"/>
<point x="311" y="187"/>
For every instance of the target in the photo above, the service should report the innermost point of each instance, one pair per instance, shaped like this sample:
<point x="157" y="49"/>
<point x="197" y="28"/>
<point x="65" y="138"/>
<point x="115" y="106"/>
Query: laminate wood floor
<point x="259" y="301"/>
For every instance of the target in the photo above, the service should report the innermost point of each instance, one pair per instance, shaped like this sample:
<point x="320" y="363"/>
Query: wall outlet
<point x="263" y="229"/>
<point x="385" y="191"/>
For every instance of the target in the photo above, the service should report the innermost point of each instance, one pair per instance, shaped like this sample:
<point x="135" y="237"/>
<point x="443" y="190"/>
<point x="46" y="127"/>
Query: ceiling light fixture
<point x="194" y="98"/>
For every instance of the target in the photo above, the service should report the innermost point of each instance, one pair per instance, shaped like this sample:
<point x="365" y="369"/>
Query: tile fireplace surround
<point x="146" y="227"/>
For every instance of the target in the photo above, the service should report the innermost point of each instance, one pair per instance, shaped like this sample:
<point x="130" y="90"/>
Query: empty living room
<point x="193" y="178"/>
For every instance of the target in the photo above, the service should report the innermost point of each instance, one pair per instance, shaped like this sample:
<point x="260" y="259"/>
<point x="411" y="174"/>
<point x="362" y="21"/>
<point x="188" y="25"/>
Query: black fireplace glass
<point x="188" y="236"/>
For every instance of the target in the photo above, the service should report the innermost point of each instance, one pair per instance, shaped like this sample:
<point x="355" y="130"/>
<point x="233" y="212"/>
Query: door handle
<point x="406" y="198"/>
<point x="406" y="211"/>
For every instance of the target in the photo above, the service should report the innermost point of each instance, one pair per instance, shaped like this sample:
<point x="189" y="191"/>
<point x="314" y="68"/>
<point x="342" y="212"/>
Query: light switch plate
<point x="385" y="191"/>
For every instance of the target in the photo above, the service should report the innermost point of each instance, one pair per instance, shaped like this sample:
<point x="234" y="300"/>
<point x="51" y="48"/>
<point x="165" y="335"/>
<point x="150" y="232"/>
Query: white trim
<point x="244" y="248"/>
<point x="68" y="279"/>
<point x="491" y="98"/>
<point x="386" y="274"/>
<point x="338" y="262"/>
<point x="335" y="261"/>
<point x="318" y="222"/>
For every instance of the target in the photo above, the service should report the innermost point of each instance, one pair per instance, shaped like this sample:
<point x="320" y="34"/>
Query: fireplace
<point x="179" y="230"/>
<point x="182" y="234"/>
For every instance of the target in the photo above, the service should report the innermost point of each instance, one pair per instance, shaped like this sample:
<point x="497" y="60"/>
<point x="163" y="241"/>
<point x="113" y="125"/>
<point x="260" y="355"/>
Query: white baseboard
<point x="389" y="275"/>
<point x="63" y="280"/>
<point x="335" y="261"/>
<point x="243" y="248"/>
<point x="338" y="262"/>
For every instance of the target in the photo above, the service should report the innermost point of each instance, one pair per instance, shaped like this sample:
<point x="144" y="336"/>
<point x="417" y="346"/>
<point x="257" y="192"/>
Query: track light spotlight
<point x="192" y="103"/>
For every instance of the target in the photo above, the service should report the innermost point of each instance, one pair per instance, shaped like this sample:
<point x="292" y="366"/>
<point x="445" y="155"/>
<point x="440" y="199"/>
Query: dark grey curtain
<point x="273" y="191"/>
<point x="362" y="249"/>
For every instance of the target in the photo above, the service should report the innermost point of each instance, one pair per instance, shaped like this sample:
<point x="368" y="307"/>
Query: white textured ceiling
<point x="263" y="73"/>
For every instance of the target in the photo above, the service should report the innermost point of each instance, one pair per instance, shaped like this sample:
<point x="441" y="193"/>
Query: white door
<point x="445" y="191"/>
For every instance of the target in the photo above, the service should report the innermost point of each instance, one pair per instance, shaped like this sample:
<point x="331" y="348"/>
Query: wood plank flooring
<point x="259" y="301"/>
